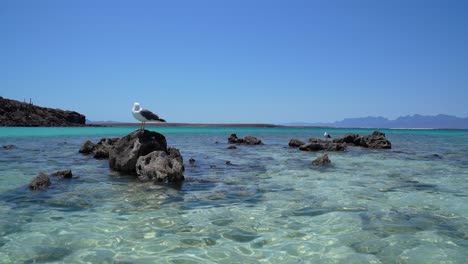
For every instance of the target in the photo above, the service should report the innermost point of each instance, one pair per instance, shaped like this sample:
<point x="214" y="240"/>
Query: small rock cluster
<point x="248" y="140"/>
<point x="42" y="180"/>
<point x="142" y="153"/>
<point x="99" y="150"/>
<point x="376" y="140"/>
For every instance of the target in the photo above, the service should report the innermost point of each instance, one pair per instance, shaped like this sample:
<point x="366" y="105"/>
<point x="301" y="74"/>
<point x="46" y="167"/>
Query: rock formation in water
<point x="142" y="153"/>
<point x="39" y="182"/>
<point x="321" y="161"/>
<point x="99" y="150"/>
<point x="248" y="140"/>
<point x="161" y="166"/>
<point x="376" y="140"/>
<point x="15" y="113"/>
<point x="42" y="180"/>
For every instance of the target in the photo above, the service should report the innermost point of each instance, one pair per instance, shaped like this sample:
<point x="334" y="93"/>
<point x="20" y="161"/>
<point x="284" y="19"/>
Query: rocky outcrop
<point x="321" y="161"/>
<point x="142" y="153"/>
<point x="39" y="182"/>
<point x="15" y="113"/>
<point x="100" y="150"/>
<point x="376" y="140"/>
<point x="295" y="143"/>
<point x="161" y="166"/>
<point x="248" y="140"/>
<point x="126" y="151"/>
<point x="65" y="174"/>
<point x="328" y="146"/>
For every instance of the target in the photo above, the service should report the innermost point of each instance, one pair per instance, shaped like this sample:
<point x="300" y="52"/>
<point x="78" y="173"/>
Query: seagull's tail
<point x="162" y="120"/>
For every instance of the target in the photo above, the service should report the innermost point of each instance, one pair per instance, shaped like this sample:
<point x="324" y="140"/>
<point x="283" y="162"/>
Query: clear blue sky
<point x="237" y="61"/>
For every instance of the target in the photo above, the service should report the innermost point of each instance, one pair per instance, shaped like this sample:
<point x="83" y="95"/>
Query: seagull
<point x="326" y="135"/>
<point x="144" y="115"/>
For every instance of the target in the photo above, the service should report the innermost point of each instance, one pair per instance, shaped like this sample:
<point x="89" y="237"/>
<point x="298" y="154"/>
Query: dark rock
<point x="228" y="162"/>
<point x="212" y="166"/>
<point x="161" y="166"/>
<point x="66" y="174"/>
<point x="231" y="147"/>
<point x="39" y="182"/>
<point x="349" y="139"/>
<point x="312" y="147"/>
<point x="192" y="160"/>
<point x="15" y="113"/>
<point x="318" y="140"/>
<point x="87" y="147"/>
<point x="248" y="140"/>
<point x="100" y="150"/>
<point x="126" y="151"/>
<point x="233" y="139"/>
<point x="328" y="146"/>
<point x="10" y="146"/>
<point x="322" y="160"/>
<point x="376" y="140"/>
<point x="295" y="143"/>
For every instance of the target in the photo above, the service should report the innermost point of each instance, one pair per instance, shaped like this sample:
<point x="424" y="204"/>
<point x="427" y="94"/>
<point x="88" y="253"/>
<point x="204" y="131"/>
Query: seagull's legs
<point x="144" y="123"/>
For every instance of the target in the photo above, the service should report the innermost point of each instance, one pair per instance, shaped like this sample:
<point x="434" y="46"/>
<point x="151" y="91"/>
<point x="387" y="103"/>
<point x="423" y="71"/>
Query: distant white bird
<point x="326" y="135"/>
<point x="144" y="115"/>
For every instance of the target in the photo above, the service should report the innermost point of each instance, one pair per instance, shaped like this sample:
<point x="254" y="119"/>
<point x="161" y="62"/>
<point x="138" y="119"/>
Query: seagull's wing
<point x="150" y="115"/>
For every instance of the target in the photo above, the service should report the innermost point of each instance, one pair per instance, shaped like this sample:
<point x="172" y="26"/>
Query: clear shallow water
<point x="271" y="206"/>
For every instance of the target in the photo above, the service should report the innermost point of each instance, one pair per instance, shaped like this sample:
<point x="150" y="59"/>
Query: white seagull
<point x="326" y="135"/>
<point x="144" y="115"/>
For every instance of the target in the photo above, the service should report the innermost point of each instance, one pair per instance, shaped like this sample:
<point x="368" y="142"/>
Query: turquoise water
<point x="403" y="205"/>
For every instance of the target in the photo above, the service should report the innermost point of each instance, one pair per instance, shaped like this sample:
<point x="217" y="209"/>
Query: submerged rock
<point x="126" y="151"/>
<point x="322" y="160"/>
<point x="231" y="147"/>
<point x="65" y="174"/>
<point x="161" y="166"/>
<point x="9" y="146"/>
<point x="248" y="140"/>
<point x="39" y="182"/>
<point x="192" y="160"/>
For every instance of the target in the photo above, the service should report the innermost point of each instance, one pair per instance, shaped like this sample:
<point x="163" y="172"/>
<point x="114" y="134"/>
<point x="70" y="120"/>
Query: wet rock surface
<point x="161" y="166"/>
<point x="295" y="143"/>
<point x="41" y="181"/>
<point x="142" y="153"/>
<point x="376" y="140"/>
<point x="126" y="151"/>
<point x="65" y="174"/>
<point x="321" y="161"/>
<point x="99" y="150"/>
<point x="248" y="140"/>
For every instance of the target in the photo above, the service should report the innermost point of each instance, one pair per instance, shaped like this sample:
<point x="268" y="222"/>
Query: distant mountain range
<point x="409" y="121"/>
